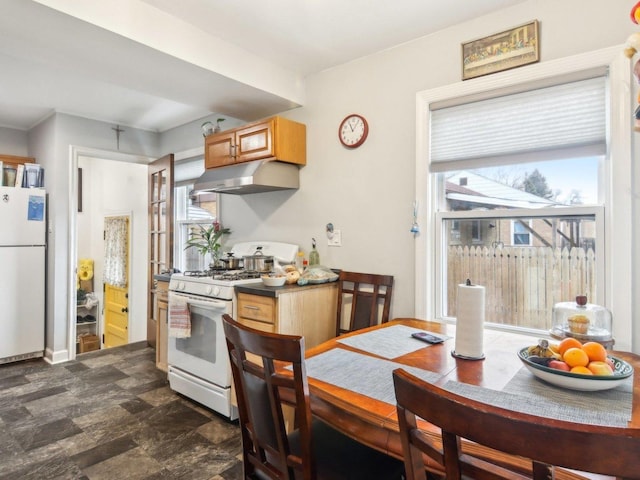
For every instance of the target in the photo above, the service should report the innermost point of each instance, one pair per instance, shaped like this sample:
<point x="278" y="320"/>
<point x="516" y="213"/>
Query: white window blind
<point x="562" y="121"/>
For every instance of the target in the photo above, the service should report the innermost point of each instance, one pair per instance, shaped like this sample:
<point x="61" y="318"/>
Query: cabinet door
<point x="255" y="142"/>
<point x="219" y="150"/>
<point x="163" y="337"/>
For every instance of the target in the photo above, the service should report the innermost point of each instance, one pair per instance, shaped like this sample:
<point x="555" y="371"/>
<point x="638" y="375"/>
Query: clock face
<point x="353" y="131"/>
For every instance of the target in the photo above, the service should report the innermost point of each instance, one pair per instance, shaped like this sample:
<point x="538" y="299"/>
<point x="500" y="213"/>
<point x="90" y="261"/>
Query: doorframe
<point x="75" y="152"/>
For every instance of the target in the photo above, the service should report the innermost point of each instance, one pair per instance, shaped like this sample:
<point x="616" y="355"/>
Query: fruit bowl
<point x="576" y="381"/>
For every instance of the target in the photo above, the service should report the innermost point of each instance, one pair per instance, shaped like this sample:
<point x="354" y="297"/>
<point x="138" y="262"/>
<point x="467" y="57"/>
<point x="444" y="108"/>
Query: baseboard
<point x="56" y="357"/>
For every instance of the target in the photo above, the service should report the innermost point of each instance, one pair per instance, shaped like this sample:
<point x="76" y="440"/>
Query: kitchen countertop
<point x="259" y="288"/>
<point x="162" y="277"/>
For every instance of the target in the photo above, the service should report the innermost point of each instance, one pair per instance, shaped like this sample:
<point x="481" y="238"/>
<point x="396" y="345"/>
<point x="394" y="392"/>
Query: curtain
<point x="115" y="251"/>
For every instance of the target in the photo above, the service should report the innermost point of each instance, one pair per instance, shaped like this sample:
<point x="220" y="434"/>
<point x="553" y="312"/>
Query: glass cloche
<point x="583" y="321"/>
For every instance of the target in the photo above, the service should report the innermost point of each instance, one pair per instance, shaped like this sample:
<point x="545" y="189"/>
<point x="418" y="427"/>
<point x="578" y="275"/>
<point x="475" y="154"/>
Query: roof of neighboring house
<point x="489" y="193"/>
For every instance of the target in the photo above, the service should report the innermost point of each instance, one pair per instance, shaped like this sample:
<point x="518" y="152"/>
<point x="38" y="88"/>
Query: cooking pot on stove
<point x="258" y="262"/>
<point x="232" y="262"/>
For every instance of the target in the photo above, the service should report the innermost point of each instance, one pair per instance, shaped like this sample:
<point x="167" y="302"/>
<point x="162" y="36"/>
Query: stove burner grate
<point x="237" y="275"/>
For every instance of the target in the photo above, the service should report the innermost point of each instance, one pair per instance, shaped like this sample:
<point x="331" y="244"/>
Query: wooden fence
<point x="522" y="283"/>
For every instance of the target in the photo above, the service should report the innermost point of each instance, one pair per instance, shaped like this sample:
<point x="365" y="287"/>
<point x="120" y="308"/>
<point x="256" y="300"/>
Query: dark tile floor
<point x="109" y="415"/>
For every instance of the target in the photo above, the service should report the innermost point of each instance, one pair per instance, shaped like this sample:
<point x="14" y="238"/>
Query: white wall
<point x="51" y="143"/>
<point x="13" y="142"/>
<point x="116" y="188"/>
<point x="368" y="192"/>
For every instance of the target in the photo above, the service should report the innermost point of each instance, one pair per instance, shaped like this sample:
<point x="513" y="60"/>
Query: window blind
<point x="562" y="121"/>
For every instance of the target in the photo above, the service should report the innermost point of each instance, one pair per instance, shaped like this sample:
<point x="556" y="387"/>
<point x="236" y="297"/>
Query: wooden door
<point x="116" y="281"/>
<point x="116" y="316"/>
<point x="160" y="233"/>
<point x="218" y="150"/>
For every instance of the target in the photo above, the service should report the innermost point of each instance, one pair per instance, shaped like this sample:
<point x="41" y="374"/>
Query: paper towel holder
<point x="481" y="356"/>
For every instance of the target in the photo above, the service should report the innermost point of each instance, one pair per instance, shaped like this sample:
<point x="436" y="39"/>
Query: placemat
<point x="360" y="373"/>
<point x="390" y="342"/>
<point x="526" y="394"/>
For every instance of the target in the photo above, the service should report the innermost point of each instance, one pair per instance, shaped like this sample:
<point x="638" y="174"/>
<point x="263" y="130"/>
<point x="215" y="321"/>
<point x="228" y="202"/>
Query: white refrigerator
<point x="23" y="235"/>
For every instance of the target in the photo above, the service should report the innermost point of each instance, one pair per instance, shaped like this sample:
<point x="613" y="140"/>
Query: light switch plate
<point x="336" y="239"/>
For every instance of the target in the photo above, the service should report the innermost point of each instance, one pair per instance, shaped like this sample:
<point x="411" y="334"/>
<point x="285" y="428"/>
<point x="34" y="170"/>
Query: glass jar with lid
<point x="584" y="321"/>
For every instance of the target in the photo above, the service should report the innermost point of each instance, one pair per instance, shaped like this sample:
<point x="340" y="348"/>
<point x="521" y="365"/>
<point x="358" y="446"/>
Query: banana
<point x="542" y="349"/>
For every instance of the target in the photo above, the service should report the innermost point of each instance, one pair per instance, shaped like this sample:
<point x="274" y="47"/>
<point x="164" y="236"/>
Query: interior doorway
<point x="111" y="184"/>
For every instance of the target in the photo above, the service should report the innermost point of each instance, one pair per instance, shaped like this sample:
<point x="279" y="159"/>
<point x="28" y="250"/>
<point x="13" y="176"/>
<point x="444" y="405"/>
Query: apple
<point x="611" y="363"/>
<point x="559" y="365"/>
<point x="600" y="368"/>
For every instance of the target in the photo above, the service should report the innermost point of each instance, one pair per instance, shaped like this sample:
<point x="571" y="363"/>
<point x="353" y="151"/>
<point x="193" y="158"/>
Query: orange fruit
<point x="581" y="370"/>
<point x="595" y="351"/>
<point x="576" y="357"/>
<point x="568" y="343"/>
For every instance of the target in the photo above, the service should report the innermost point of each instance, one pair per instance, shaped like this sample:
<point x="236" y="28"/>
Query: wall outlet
<point x="336" y="239"/>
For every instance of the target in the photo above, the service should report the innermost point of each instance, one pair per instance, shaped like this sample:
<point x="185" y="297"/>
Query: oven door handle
<point x="206" y="303"/>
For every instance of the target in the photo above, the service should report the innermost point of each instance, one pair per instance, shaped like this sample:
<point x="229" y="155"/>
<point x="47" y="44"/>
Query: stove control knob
<point x="181" y="286"/>
<point x="216" y="291"/>
<point x="209" y="290"/>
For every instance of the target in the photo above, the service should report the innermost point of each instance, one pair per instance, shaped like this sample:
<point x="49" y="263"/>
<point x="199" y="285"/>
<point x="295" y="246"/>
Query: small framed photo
<point x="502" y="51"/>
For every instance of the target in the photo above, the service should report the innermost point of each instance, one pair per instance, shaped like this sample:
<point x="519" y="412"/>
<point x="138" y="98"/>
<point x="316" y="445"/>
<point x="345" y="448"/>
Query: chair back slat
<point x="546" y="442"/>
<point x="365" y="292"/>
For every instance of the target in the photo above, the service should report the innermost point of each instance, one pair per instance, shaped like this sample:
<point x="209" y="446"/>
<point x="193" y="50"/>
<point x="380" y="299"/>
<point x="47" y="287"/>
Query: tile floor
<point x="108" y="415"/>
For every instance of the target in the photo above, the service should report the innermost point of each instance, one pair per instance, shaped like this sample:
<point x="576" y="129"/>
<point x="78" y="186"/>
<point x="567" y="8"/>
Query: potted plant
<point x="207" y="240"/>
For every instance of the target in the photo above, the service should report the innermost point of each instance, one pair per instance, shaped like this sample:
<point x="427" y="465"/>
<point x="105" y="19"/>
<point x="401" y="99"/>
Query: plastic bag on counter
<point x="317" y="274"/>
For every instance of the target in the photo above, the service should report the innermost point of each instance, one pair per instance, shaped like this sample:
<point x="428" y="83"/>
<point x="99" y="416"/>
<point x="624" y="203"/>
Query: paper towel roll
<point x="470" y="322"/>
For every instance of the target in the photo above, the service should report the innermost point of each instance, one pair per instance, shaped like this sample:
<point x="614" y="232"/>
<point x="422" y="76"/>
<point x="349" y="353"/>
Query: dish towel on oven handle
<point x="179" y="317"/>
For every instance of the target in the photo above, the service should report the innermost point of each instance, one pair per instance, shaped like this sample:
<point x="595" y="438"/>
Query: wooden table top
<point x="374" y="422"/>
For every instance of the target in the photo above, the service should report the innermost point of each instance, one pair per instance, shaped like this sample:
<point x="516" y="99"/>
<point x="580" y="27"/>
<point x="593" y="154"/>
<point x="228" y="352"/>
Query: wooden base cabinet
<point x="309" y="311"/>
<point x="161" y="315"/>
<point x="275" y="138"/>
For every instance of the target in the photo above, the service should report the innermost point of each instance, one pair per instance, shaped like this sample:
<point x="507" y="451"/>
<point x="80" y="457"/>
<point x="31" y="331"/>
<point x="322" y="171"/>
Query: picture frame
<point x="509" y="49"/>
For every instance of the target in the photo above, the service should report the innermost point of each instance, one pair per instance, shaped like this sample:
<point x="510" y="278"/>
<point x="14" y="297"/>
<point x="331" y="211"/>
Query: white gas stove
<point x="219" y="283"/>
<point x="199" y="362"/>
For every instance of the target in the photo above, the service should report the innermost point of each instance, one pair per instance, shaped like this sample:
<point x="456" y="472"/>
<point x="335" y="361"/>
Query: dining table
<point x="351" y="385"/>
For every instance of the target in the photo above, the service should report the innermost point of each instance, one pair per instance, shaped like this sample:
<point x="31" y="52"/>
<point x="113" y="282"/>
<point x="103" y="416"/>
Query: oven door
<point x="203" y="354"/>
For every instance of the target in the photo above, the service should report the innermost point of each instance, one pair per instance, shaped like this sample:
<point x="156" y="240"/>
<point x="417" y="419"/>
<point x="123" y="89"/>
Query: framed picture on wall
<point x="502" y="51"/>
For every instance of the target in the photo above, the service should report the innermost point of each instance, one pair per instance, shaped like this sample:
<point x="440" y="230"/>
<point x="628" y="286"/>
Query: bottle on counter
<point x="314" y="256"/>
<point x="300" y="261"/>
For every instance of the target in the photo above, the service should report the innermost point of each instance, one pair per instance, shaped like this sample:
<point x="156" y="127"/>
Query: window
<point x="521" y="232"/>
<point x="191" y="211"/>
<point x="490" y="181"/>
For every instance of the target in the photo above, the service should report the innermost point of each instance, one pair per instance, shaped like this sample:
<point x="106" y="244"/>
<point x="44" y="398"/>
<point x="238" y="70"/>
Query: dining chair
<point x="544" y="442"/>
<point x="311" y="451"/>
<point x="365" y="291"/>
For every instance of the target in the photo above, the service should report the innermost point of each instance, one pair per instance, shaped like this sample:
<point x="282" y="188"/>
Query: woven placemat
<point x="390" y="342"/>
<point x="360" y="373"/>
<point x="526" y="394"/>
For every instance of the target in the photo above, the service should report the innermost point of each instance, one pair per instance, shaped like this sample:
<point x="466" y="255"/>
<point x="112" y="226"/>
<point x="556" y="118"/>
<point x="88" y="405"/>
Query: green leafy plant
<point x="207" y="240"/>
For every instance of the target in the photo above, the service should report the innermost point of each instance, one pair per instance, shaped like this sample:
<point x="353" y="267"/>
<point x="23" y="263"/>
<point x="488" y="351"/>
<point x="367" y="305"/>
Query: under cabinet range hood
<point x="249" y="177"/>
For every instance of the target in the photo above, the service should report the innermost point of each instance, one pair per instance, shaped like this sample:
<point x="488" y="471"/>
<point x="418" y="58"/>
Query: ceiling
<point x="243" y="58"/>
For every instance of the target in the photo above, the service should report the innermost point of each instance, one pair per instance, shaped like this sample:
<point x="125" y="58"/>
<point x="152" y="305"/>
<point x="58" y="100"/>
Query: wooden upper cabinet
<point x="275" y="138"/>
<point x="218" y="149"/>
